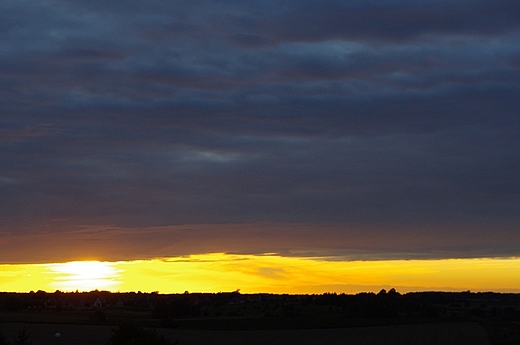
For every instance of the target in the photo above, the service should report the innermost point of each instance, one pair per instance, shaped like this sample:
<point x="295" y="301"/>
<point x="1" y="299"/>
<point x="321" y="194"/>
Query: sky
<point x="345" y="130"/>
<point x="264" y="274"/>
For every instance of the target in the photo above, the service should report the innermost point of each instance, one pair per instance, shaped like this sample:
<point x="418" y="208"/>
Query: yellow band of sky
<point x="264" y="273"/>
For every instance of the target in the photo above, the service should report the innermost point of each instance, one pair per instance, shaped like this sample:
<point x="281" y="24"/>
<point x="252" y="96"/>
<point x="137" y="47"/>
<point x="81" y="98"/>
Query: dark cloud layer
<point x="396" y="116"/>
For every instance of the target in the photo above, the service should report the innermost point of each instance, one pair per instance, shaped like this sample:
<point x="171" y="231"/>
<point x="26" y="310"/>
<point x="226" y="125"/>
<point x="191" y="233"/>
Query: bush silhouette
<point x="22" y="338"/>
<point x="3" y="339"/>
<point x="130" y="334"/>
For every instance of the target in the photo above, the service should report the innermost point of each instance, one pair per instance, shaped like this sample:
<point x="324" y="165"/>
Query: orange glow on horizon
<point x="265" y="273"/>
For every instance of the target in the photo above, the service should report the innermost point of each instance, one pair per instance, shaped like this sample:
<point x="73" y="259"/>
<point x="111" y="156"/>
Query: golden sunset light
<point x="265" y="273"/>
<point x="84" y="276"/>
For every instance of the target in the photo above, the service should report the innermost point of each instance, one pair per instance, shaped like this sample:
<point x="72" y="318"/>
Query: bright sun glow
<point x="265" y="273"/>
<point x="84" y="276"/>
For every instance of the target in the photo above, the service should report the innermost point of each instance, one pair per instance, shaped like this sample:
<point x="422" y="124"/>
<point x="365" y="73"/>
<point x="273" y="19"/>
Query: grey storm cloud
<point x="136" y="115"/>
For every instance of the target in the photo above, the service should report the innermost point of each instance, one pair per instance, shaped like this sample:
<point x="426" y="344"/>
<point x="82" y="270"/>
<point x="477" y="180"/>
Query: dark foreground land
<point x="233" y="318"/>
<point x="422" y="334"/>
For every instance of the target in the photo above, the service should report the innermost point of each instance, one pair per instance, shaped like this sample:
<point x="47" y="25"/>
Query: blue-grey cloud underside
<point x="400" y="116"/>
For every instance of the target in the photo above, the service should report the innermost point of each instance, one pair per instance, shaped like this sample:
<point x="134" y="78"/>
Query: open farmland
<point x="423" y="334"/>
<point x="233" y="318"/>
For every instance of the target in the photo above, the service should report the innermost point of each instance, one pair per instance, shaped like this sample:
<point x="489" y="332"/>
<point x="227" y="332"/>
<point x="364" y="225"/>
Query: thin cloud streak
<point x="331" y="242"/>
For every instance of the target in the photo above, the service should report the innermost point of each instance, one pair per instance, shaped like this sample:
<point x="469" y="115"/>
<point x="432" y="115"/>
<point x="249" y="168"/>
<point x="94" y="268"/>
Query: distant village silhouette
<point x="138" y="315"/>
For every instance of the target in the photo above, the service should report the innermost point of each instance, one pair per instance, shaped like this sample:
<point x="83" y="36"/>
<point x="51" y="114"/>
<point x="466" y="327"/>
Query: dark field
<point x="233" y="318"/>
<point x="422" y="334"/>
